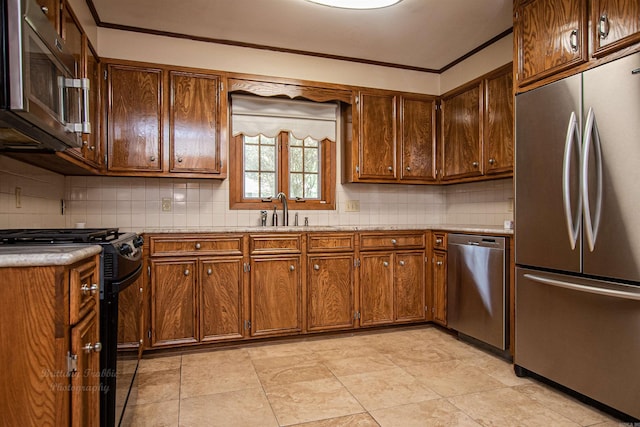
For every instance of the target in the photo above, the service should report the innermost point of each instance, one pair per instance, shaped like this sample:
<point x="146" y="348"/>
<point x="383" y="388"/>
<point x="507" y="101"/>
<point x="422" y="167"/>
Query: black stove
<point x="59" y="235"/>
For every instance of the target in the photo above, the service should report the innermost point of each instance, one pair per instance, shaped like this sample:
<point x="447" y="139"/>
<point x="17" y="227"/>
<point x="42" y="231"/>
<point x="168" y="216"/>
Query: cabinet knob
<point x="492" y="161"/>
<point x="152" y="158"/>
<point x="209" y="272"/>
<point x="390" y="168"/>
<point x="179" y="159"/>
<point x="475" y="164"/>
<point x="316" y="267"/>
<point x="85" y="143"/>
<point x="198" y="246"/>
<point x="45" y="10"/>
<point x="187" y="272"/>
<point x="92" y="148"/>
<point x="394" y="242"/>
<point x="292" y="267"/>
<point x="88" y="348"/>
<point x="603" y="26"/>
<point x="401" y="263"/>
<point x="438" y="241"/>
<point x="408" y="168"/>
<point x="439" y="263"/>
<point x="386" y="264"/>
<point x="573" y="40"/>
<point x="85" y="289"/>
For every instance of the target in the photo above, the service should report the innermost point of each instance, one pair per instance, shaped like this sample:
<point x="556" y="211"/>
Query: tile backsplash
<point x="136" y="204"/>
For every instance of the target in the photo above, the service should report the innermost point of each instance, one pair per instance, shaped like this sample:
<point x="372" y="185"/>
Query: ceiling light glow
<point x="357" y="4"/>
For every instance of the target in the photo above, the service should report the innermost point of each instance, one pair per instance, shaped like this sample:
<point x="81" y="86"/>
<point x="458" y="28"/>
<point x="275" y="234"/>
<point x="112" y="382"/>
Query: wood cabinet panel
<point x="221" y="299"/>
<point x="275" y="243"/>
<point x="462" y="133"/>
<point x="376" y="289"/>
<point x="84" y="290"/>
<point x="440" y="287"/>
<point x="409" y="278"/>
<point x="91" y="143"/>
<point x="332" y="242"/>
<point x="193" y="123"/>
<point x="275" y="295"/>
<point x="377" y="136"/>
<point x="51" y="8"/>
<point x="551" y="35"/>
<point x="439" y="240"/>
<point x="173" y="302"/>
<point x="498" y="123"/>
<point x="330" y="292"/>
<point x="391" y="240"/>
<point x="134" y="117"/>
<point x="615" y="24"/>
<point x="85" y="383"/>
<point x="180" y="244"/>
<point x="418" y="139"/>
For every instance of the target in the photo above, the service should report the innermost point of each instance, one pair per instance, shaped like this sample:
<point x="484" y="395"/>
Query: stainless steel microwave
<point x="44" y="105"/>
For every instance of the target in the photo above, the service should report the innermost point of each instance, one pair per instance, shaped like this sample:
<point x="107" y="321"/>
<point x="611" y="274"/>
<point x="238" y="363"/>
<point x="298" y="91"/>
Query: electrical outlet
<point x="166" y="204"/>
<point x="352" y="206"/>
<point x="18" y="197"/>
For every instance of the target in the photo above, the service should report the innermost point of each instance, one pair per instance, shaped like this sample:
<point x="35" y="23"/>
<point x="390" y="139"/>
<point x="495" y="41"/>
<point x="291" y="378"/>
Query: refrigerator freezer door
<point x="612" y="93"/>
<point x="582" y="334"/>
<point x="547" y="184"/>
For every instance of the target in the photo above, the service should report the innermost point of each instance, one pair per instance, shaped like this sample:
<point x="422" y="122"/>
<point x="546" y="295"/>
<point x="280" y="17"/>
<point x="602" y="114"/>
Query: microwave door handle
<point x="85" y="85"/>
<point x="573" y="135"/>
<point x="61" y="99"/>
<point x="592" y="138"/>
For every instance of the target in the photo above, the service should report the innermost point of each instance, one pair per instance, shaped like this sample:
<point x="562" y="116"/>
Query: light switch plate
<point x="352" y="206"/>
<point x="166" y="204"/>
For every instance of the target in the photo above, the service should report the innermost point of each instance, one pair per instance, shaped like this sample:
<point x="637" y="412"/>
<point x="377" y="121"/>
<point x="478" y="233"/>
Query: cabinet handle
<point x="179" y="159"/>
<point x="603" y="26"/>
<point x="186" y="272"/>
<point x="86" y="289"/>
<point x="198" y="246"/>
<point x="408" y="168"/>
<point x="88" y="348"/>
<point x="292" y="267"/>
<point x="438" y="241"/>
<point x="316" y="267"/>
<point x="475" y="164"/>
<point x="209" y="272"/>
<point x="390" y="168"/>
<point x="573" y="40"/>
<point x="386" y="264"/>
<point x="152" y="158"/>
<point x="439" y="263"/>
<point x="401" y="263"/>
<point x="394" y="242"/>
<point x="45" y="10"/>
<point x="492" y="161"/>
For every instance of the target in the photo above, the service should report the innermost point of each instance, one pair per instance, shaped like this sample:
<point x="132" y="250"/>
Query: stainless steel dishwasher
<point x="476" y="288"/>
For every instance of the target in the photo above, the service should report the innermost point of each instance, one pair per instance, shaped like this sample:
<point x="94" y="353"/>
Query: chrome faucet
<point x="285" y="208"/>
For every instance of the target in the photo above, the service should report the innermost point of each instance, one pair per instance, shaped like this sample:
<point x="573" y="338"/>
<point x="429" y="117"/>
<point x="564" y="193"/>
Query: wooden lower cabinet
<point x="440" y="287"/>
<point x="376" y="289"/>
<point x="52" y="364"/>
<point x="221" y="314"/>
<point x="330" y="292"/>
<point x="275" y="295"/>
<point x="409" y="277"/>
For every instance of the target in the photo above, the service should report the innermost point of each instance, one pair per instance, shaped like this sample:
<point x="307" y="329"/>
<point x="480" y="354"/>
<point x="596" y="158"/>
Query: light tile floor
<point x="415" y="376"/>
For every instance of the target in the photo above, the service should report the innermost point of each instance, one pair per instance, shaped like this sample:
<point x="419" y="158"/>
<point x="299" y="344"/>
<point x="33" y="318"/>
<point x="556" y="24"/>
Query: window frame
<point x="327" y="177"/>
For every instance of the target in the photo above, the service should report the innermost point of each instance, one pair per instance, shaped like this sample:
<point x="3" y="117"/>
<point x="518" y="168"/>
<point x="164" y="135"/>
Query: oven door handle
<point x="121" y="285"/>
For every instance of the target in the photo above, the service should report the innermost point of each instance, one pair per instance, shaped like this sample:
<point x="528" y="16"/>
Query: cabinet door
<point x="134" y="117"/>
<point x="221" y="309"/>
<point x="275" y="295"/>
<point x="551" y="36"/>
<point x="377" y="138"/>
<point x="376" y="289"/>
<point x="330" y="292"/>
<point x="173" y="302"/>
<point x="462" y="133"/>
<point x="498" y="124"/>
<point x="90" y="145"/>
<point x="440" y="287"/>
<point x="194" y="123"/>
<point x="85" y="383"/>
<point x="418" y="139"/>
<point x="51" y="8"/>
<point x="615" y="24"/>
<point x="409" y="286"/>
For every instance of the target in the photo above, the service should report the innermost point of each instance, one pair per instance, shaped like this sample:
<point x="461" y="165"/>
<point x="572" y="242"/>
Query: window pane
<point x="310" y="142"/>
<point x="295" y="185"/>
<point x="267" y="185"/>
<point x="265" y="140"/>
<point x="311" y="159"/>
<point x="295" y="159"/>
<point x="311" y="189"/>
<point x="251" y="185"/>
<point x="293" y="141"/>
<point x="251" y="158"/>
<point x="268" y="158"/>
<point x="252" y="139"/>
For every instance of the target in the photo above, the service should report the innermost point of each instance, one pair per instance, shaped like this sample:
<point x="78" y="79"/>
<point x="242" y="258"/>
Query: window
<point x="280" y="145"/>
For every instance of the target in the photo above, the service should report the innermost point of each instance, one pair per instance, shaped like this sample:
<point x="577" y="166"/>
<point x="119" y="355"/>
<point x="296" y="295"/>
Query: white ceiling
<point x="423" y="34"/>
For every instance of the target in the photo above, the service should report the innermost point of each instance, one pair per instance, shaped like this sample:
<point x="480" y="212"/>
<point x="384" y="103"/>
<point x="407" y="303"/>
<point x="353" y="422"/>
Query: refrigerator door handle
<point x="584" y="288"/>
<point x="573" y="226"/>
<point x="592" y="137"/>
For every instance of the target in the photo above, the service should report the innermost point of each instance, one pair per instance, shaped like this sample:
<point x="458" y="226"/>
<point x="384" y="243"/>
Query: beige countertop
<point x="16" y="255"/>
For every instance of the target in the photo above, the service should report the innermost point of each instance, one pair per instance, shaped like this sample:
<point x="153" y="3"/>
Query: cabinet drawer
<point x="331" y="242"/>
<point x="391" y="240"/>
<point x="275" y="243"/>
<point x="439" y="241"/>
<point x="84" y="290"/>
<point x="195" y="245"/>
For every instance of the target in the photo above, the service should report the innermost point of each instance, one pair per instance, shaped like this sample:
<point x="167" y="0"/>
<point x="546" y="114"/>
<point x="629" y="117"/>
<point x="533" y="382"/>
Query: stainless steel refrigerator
<point x="577" y="235"/>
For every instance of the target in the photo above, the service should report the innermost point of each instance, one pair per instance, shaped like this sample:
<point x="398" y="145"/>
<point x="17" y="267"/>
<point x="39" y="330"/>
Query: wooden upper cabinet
<point x="194" y="123"/>
<point x="134" y="118"/>
<point x="615" y="25"/>
<point x="551" y="36"/>
<point x="417" y="139"/>
<point x="462" y="133"/>
<point x="377" y="137"/>
<point x="91" y="142"/>
<point x="498" y="123"/>
<point x="51" y="8"/>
